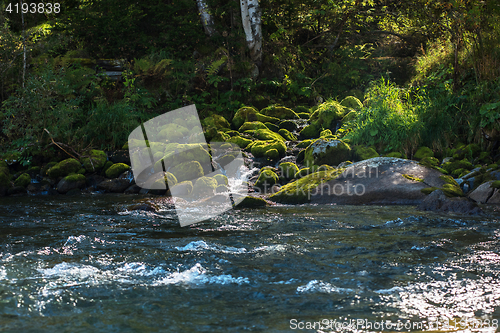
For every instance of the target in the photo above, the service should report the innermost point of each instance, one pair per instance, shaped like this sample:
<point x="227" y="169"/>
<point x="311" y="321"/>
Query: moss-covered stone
<point x="304" y="144"/>
<point x="267" y="178"/>
<point x="327" y="114"/>
<point x="184" y="188"/>
<point x="458" y="173"/>
<point x="232" y="133"/>
<point x="302" y="173"/>
<point x="352" y="102"/>
<point x="412" y="178"/>
<point x="299" y="191"/>
<point x="462" y="164"/>
<point x="259" y="147"/>
<point x="168" y="179"/>
<point x="423" y="152"/>
<point x="452" y="191"/>
<point x="272" y="154"/>
<point x="240" y="141"/>
<point x="309" y="132"/>
<point x="327" y="151"/>
<point x="251" y="202"/>
<point x="248" y="113"/>
<point x="172" y="132"/>
<point x="23" y="180"/>
<point x="287" y="135"/>
<point x="221" y="179"/>
<point x="95" y="160"/>
<point x="429" y="190"/>
<point x="288" y="125"/>
<point x="350" y="116"/>
<point x="363" y="153"/>
<point x="395" y="154"/>
<point x="272" y="127"/>
<point x="187" y="171"/>
<point x="204" y="186"/>
<point x="265" y="134"/>
<point x="117" y="169"/>
<point x="106" y="167"/>
<point x="495" y="184"/>
<point x="325" y="133"/>
<point x="179" y="153"/>
<point x="301" y="109"/>
<point x="216" y="121"/>
<point x="468" y="152"/>
<point x="430" y="162"/>
<point x="252" y="125"/>
<point x="279" y="112"/>
<point x="288" y="170"/>
<point x="64" y="168"/>
<point x="220" y="137"/>
<point x="75" y="177"/>
<point x="303" y="115"/>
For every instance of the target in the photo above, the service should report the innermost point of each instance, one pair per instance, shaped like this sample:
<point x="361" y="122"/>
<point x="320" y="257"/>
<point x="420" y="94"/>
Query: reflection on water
<point x="87" y="264"/>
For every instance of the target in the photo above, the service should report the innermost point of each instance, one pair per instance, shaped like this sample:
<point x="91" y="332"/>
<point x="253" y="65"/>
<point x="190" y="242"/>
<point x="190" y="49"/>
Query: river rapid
<point x="86" y="264"/>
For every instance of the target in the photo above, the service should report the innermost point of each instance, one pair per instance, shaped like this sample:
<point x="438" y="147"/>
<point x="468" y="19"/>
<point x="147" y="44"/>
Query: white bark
<point x="206" y="18"/>
<point x="251" y="20"/>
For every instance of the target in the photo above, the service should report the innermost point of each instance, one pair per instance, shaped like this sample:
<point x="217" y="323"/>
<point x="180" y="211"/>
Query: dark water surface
<point x="86" y="264"/>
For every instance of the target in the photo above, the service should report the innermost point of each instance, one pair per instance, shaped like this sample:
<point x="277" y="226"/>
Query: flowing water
<point x="86" y="264"/>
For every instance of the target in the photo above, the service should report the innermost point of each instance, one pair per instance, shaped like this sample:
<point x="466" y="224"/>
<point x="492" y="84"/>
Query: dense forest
<point x="427" y="72"/>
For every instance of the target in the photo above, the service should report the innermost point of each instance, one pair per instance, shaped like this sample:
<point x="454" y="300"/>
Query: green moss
<point x="82" y="171"/>
<point x="363" y="153"/>
<point x="452" y="191"/>
<point x="106" y="167"/>
<point x="221" y="179"/>
<point x="448" y="180"/>
<point x="240" y="141"/>
<point x="463" y="164"/>
<point x="287" y="135"/>
<point x="259" y="147"/>
<point x="495" y="184"/>
<point x="279" y="112"/>
<point x="252" y="202"/>
<point x="301" y="109"/>
<point x="172" y="132"/>
<point x="412" y="178"/>
<point x="302" y="173"/>
<point x="204" y="186"/>
<point x="23" y="180"/>
<point x="267" y="178"/>
<point x="351" y="115"/>
<point x="303" y="115"/>
<point x="272" y="127"/>
<point x="117" y="169"/>
<point x="220" y="137"/>
<point x="429" y="190"/>
<point x="423" y="152"/>
<point x="216" y="121"/>
<point x="310" y="131"/>
<point x="469" y="152"/>
<point x="4" y="180"/>
<point x="325" y="133"/>
<point x="288" y="170"/>
<point x="168" y="178"/>
<point x="430" y="162"/>
<point x="187" y="171"/>
<point x="457" y="173"/>
<point x="327" y="151"/>
<point x="75" y="177"/>
<point x="327" y="114"/>
<point x="352" y="102"/>
<point x="253" y="125"/>
<point x="304" y="144"/>
<point x="64" y="168"/>
<point x="299" y="191"/>
<point x="272" y="154"/>
<point x="232" y="133"/>
<point x="265" y="134"/>
<point x="248" y="113"/>
<point x="179" y="153"/>
<point x="395" y="154"/>
<point x="95" y="160"/>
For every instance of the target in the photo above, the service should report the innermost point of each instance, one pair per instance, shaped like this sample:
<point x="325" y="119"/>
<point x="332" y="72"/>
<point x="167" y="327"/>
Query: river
<point x="86" y="264"/>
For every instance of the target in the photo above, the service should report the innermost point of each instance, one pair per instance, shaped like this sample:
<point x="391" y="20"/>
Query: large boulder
<point x="64" y="168"/>
<point x="117" y="169"/>
<point x="94" y="160"/>
<point x="279" y="112"/>
<point x="71" y="182"/>
<point x="327" y="151"/>
<point x="259" y="148"/>
<point x="438" y="201"/>
<point x="187" y="171"/>
<point x="327" y="115"/>
<point x="265" y="134"/>
<point x="240" y="141"/>
<point x="482" y="193"/>
<point x="248" y="113"/>
<point x="380" y="180"/>
<point x="252" y="125"/>
<point x="216" y="121"/>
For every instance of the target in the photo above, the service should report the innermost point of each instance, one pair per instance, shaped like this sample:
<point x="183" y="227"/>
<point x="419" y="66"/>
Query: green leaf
<point x="373" y="132"/>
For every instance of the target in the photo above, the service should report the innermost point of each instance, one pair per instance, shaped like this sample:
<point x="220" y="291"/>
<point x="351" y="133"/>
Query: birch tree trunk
<point x="206" y="18"/>
<point x="251" y="20"/>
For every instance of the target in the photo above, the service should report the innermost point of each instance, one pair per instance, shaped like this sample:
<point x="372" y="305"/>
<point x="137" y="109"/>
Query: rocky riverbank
<point x="294" y="157"/>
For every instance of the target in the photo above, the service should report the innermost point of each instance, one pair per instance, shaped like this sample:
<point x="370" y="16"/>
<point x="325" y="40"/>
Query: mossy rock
<point x="172" y="132"/>
<point x="301" y="109"/>
<point x="106" y="167"/>
<point x="253" y="125"/>
<point x="287" y="135"/>
<point x="429" y="190"/>
<point x="117" y="169"/>
<point x="187" y="171"/>
<point x="288" y="125"/>
<point x="95" y="161"/>
<point x="327" y="114"/>
<point x="64" y="168"/>
<point x="216" y="121"/>
<point x="251" y="202"/>
<point x="23" y="180"/>
<point x="412" y="178"/>
<point x="288" y="170"/>
<point x="267" y="178"/>
<point x="220" y="137"/>
<point x="303" y="115"/>
<point x="452" y="191"/>
<point x="232" y="133"/>
<point x="4" y="181"/>
<point x="395" y="154"/>
<point x="459" y="173"/>
<point x="327" y="151"/>
<point x="325" y="133"/>
<point x="272" y="127"/>
<point x="364" y="153"/>
<point x="168" y="179"/>
<point x="240" y="141"/>
<point x="350" y="116"/>
<point x="279" y="112"/>
<point x="272" y="154"/>
<point x="430" y="162"/>
<point x="352" y="102"/>
<point x="468" y="152"/>
<point x="448" y="180"/>
<point x="259" y="147"/>
<point x="309" y="132"/>
<point x="302" y="173"/>
<point x="423" y="152"/>
<point x="300" y="156"/>
<point x="75" y="177"/>
<point x="484" y="157"/>
<point x="204" y="186"/>
<point x="221" y="179"/>
<point x="265" y="134"/>
<point x="299" y="191"/>
<point x="184" y="188"/>
<point x="304" y="144"/>
<point x="462" y="164"/>
<point x="221" y="189"/>
<point x="495" y="184"/>
<point x="248" y="113"/>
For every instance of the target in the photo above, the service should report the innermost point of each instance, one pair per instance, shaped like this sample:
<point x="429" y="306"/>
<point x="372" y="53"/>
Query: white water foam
<point x="316" y="286"/>
<point x="197" y="275"/>
<point x="202" y="245"/>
